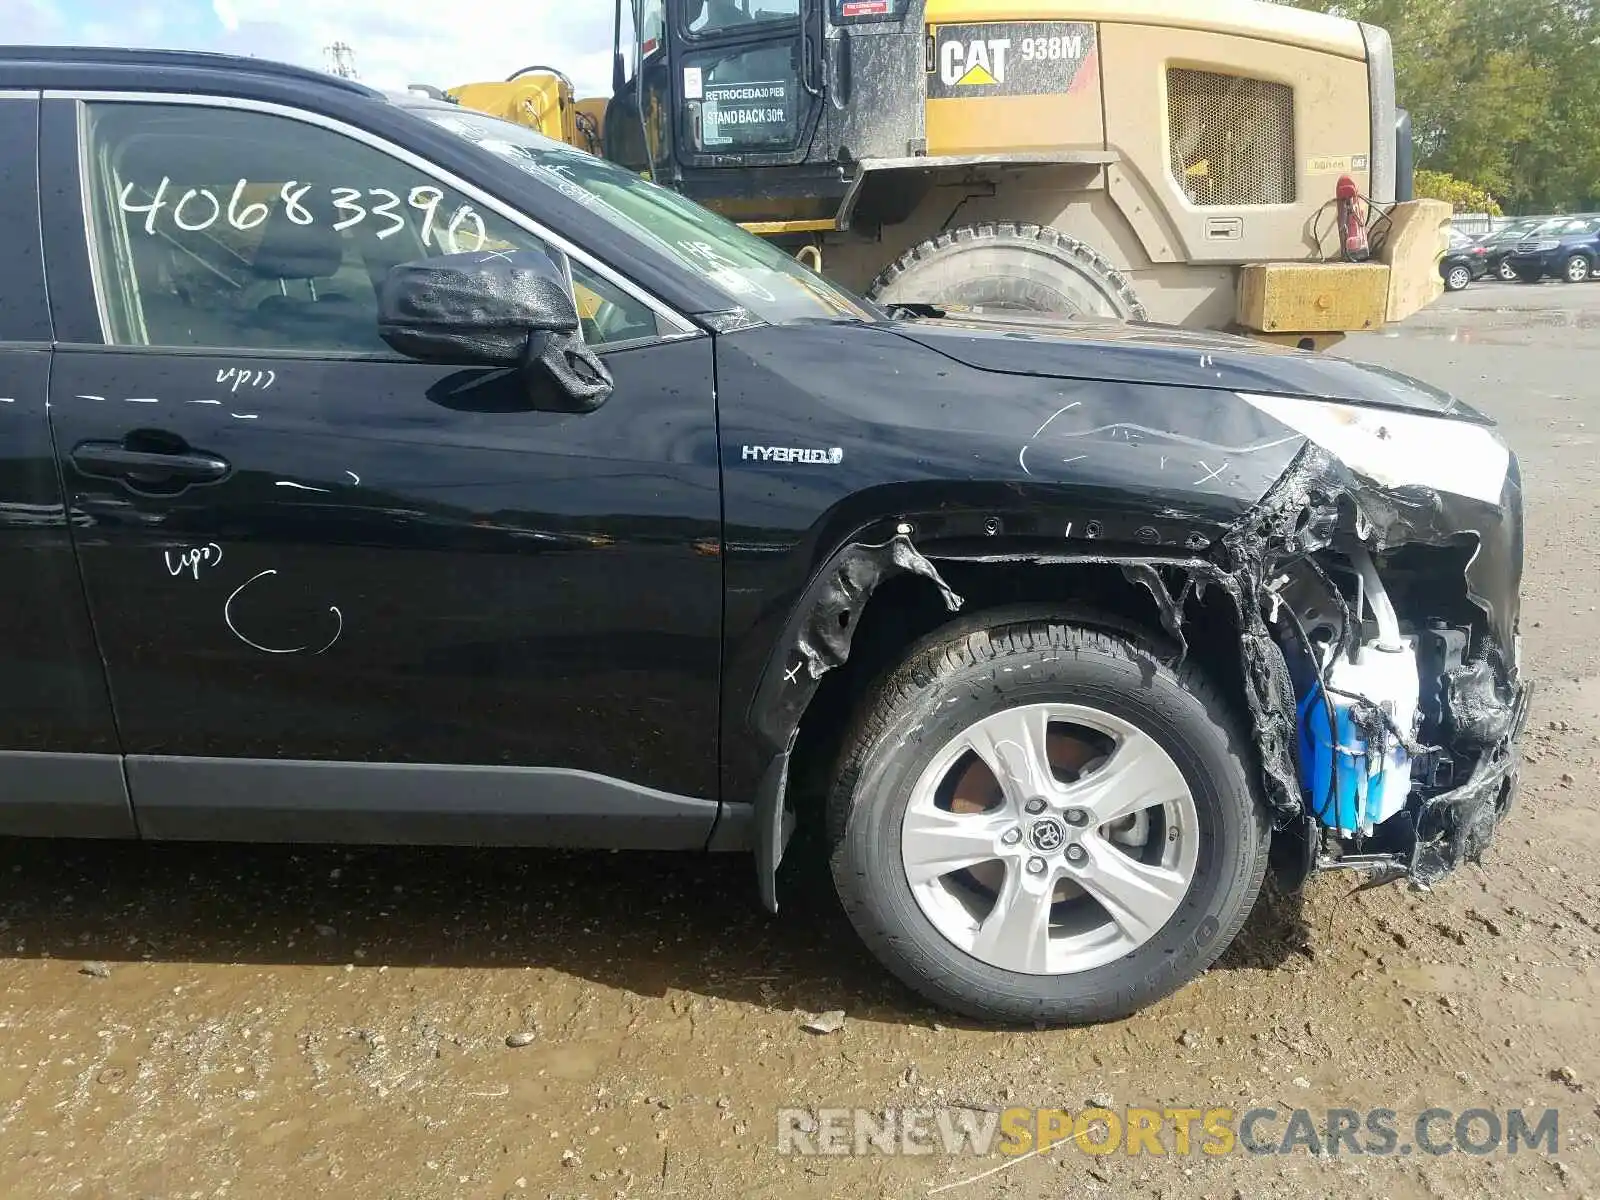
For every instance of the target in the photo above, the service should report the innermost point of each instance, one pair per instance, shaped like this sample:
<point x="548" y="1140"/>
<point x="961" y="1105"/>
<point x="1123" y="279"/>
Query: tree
<point x="1462" y="196"/>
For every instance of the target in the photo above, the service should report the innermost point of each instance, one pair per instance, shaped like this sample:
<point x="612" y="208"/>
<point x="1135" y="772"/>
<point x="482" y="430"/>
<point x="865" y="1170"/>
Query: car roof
<point x="67" y="66"/>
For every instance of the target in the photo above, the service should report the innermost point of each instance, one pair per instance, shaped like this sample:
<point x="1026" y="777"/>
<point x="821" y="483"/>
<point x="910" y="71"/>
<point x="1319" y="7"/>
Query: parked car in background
<point x="1466" y="259"/>
<point x="1499" y="245"/>
<point x="1566" y="249"/>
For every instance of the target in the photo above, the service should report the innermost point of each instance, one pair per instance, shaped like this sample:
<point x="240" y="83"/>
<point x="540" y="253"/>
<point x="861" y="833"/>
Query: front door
<point x="345" y="595"/>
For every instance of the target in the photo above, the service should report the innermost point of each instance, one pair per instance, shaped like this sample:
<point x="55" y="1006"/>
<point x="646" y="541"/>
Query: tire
<point x="1576" y="269"/>
<point x="1018" y="268"/>
<point x="1506" y="272"/>
<point x="1457" y="278"/>
<point x="953" y="684"/>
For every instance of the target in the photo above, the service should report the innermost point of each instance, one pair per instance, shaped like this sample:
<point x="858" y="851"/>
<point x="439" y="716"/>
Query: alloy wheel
<point x="1050" y="839"/>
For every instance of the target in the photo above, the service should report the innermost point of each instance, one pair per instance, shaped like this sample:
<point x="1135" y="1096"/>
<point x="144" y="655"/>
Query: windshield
<point x="752" y="273"/>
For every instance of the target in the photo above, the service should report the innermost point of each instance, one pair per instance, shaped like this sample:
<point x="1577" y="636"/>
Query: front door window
<point x="217" y="227"/>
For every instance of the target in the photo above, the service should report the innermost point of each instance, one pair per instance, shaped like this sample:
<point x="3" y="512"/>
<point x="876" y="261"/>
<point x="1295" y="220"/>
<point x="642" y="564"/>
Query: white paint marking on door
<point x="1054" y="415"/>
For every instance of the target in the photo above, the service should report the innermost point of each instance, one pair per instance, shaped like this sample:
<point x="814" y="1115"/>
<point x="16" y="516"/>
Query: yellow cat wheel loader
<point x="1231" y="164"/>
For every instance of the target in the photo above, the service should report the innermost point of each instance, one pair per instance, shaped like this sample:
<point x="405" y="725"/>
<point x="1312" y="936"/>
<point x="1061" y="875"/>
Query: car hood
<point x="1135" y="352"/>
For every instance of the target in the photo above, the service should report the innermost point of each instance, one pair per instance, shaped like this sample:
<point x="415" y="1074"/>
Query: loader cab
<point x="738" y="103"/>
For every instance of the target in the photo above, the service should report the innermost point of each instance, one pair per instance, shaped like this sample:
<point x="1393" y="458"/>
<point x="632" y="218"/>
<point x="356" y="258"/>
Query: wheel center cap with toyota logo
<point x="1047" y="835"/>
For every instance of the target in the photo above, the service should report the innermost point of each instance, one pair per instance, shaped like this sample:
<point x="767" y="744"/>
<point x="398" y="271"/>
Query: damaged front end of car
<point x="1379" y="611"/>
<point x="1346" y="560"/>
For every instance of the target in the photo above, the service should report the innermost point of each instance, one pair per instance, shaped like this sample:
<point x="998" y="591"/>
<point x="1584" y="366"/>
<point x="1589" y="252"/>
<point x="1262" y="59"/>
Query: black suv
<point x="1499" y="244"/>
<point x="378" y="471"/>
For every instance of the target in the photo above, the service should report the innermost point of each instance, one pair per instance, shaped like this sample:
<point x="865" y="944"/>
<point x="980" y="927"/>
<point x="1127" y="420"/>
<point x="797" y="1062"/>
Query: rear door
<point x="340" y="594"/>
<point x="60" y="773"/>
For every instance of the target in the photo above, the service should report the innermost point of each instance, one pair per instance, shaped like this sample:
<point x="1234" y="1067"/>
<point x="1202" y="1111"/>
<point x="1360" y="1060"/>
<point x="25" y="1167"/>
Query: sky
<point x="396" y="43"/>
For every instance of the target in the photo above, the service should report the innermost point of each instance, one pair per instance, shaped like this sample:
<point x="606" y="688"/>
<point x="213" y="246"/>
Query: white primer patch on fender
<point x="1398" y="449"/>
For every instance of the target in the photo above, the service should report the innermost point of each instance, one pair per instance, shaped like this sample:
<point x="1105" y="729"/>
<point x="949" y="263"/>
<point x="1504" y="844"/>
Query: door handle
<point x="811" y="55"/>
<point x="118" y="461"/>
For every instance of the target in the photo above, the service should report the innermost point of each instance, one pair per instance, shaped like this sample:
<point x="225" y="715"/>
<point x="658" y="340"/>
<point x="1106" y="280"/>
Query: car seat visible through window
<point x="307" y="310"/>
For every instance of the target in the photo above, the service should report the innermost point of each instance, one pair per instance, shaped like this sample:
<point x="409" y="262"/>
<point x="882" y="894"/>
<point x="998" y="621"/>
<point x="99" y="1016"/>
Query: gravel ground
<point x="189" y="1021"/>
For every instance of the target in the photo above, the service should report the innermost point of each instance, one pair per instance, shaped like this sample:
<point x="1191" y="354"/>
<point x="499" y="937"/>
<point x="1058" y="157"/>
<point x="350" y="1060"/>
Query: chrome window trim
<point x="676" y="321"/>
<point x="19" y="93"/>
<point x="129" y="289"/>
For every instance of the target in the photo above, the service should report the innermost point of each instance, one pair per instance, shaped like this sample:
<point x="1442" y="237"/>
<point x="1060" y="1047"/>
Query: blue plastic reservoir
<point x="1370" y="784"/>
<point x="1320" y="758"/>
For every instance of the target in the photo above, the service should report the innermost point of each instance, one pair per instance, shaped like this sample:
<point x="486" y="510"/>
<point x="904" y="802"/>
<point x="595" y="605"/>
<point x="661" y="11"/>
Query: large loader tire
<point x="1020" y="268"/>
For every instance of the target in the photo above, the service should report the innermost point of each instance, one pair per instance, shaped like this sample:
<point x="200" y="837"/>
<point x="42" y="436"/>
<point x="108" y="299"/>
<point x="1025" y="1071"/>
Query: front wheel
<point x="1576" y="269"/>
<point x="1042" y="822"/>
<point x="1506" y="272"/>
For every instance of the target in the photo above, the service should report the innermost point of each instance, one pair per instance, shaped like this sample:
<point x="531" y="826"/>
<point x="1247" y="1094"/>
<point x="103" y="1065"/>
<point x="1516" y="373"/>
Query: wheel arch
<point x="894" y="595"/>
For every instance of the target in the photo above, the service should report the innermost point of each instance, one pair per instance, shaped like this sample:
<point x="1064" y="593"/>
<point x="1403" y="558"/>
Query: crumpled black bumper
<point x="1457" y="826"/>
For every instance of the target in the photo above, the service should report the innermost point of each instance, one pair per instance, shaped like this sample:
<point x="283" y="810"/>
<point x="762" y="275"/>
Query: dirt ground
<point x="242" y="1022"/>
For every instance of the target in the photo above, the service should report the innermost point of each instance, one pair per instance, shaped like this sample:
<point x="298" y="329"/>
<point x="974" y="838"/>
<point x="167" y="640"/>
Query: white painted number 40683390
<point x="199" y="208"/>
